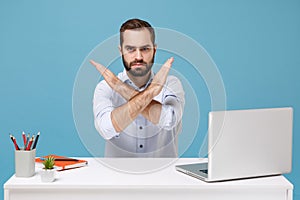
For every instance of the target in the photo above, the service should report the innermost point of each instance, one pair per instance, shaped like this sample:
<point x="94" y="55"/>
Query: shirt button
<point x="141" y="127"/>
<point x="141" y="146"/>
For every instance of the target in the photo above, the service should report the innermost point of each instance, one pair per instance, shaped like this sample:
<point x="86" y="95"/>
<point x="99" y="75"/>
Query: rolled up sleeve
<point x="104" y="126"/>
<point x="172" y="100"/>
<point x="102" y="108"/>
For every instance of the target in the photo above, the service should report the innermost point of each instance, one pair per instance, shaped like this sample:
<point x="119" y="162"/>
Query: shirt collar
<point x="124" y="77"/>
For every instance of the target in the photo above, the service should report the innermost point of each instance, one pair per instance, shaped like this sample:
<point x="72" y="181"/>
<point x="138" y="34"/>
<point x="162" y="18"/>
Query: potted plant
<point x="48" y="172"/>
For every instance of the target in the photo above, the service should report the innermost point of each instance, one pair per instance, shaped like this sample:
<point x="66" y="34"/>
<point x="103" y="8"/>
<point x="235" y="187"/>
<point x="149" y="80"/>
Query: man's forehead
<point x="137" y="37"/>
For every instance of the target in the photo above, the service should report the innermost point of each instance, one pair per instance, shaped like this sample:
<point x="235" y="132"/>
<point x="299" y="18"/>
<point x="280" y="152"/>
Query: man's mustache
<point x="138" y="62"/>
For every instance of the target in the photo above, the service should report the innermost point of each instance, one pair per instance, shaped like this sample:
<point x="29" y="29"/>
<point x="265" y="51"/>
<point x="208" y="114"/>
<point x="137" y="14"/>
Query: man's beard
<point x="138" y="71"/>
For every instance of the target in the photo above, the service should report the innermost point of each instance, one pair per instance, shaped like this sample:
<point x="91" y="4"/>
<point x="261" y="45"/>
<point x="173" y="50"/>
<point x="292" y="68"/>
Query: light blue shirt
<point x="141" y="138"/>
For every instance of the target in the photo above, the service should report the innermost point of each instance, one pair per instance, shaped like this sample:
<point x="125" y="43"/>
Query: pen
<point x="36" y="140"/>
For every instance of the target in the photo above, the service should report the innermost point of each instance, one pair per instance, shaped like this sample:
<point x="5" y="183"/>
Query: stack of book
<point x="63" y="163"/>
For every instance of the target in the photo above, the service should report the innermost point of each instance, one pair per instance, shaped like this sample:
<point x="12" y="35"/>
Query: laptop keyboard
<point x="205" y="171"/>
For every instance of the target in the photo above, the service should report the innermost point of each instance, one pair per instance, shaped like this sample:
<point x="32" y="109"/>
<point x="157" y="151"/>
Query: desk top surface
<point x="135" y="173"/>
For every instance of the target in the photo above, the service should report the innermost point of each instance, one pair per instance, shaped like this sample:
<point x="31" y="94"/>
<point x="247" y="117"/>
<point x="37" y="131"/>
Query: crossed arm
<point x="137" y="102"/>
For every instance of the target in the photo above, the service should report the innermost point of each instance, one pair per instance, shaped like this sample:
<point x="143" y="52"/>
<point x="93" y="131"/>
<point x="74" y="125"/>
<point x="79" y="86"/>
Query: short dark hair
<point x="136" y="24"/>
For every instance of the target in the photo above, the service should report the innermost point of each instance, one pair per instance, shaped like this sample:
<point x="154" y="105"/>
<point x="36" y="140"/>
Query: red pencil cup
<point x="24" y="163"/>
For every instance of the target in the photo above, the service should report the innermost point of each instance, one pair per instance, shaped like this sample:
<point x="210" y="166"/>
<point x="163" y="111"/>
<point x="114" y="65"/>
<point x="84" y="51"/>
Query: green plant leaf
<point x="49" y="162"/>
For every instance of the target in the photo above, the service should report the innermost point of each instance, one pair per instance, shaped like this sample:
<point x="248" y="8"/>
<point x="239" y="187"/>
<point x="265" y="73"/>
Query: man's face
<point x="138" y="52"/>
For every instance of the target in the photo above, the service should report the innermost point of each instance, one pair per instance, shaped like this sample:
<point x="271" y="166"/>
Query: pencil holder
<point x="24" y="163"/>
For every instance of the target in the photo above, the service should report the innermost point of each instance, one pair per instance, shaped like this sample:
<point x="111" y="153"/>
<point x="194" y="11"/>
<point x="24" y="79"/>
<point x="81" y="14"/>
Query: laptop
<point x="244" y="144"/>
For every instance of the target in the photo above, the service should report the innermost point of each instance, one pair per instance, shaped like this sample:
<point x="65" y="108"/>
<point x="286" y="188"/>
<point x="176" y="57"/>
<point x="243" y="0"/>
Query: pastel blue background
<point x="255" y="45"/>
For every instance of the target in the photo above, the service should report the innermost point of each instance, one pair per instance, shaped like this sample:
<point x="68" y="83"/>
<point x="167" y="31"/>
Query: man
<point x="138" y="113"/>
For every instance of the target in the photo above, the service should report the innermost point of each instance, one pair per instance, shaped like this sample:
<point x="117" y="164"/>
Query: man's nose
<point x="138" y="55"/>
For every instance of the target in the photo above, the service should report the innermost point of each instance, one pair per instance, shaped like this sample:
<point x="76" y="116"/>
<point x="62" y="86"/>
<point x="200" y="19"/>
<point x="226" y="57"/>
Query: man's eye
<point x="145" y="49"/>
<point x="130" y="49"/>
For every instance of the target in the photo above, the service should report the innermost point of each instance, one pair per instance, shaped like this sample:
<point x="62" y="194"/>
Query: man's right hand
<point x="114" y="82"/>
<point x="160" y="77"/>
<point x="109" y="77"/>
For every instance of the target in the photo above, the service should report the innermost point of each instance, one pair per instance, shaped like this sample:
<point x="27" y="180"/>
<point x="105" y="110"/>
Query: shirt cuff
<point x="167" y="117"/>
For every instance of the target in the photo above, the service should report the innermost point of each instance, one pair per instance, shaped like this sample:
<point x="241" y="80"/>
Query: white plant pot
<point x="47" y="175"/>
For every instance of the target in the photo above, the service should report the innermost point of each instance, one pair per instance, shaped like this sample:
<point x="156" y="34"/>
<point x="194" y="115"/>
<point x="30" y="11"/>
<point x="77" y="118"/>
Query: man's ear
<point x="120" y="50"/>
<point x="155" y="47"/>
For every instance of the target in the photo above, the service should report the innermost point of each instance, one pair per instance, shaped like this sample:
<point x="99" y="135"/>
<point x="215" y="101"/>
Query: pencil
<point x="30" y="143"/>
<point x="24" y="138"/>
<point x="14" y="141"/>
<point x="36" y="140"/>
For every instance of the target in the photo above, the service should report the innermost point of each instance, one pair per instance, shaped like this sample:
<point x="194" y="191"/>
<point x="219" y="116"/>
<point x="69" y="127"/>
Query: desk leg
<point x="6" y="194"/>
<point x="289" y="195"/>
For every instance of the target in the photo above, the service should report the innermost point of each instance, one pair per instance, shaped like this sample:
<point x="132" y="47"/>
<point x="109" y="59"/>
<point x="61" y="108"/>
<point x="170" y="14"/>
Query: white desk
<point x="97" y="181"/>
